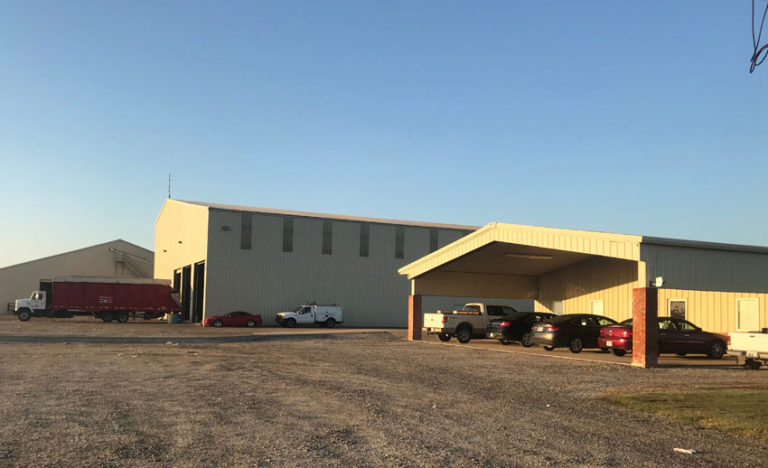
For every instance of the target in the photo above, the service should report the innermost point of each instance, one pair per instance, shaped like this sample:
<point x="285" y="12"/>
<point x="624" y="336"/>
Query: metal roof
<point x="306" y="214"/>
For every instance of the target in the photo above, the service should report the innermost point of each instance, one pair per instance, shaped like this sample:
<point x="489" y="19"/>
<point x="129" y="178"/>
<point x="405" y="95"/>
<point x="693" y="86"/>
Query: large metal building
<point x="224" y="258"/>
<point x="114" y="258"/>
<point x="719" y="287"/>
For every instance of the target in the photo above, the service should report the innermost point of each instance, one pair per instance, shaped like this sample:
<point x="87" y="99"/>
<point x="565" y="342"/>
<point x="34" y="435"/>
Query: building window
<point x="432" y="239"/>
<point x="400" y="242"/>
<point x="327" y="237"/>
<point x="365" y="234"/>
<point x="287" y="234"/>
<point x="677" y="308"/>
<point x="245" y="231"/>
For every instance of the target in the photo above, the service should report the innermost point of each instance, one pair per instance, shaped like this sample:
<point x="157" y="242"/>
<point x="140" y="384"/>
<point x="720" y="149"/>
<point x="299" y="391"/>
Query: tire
<point x="576" y="345"/>
<point x="290" y="323"/>
<point x="444" y="337"/>
<point x="618" y="352"/>
<point x="24" y="314"/>
<point x="753" y="364"/>
<point x="106" y="317"/>
<point x="218" y="324"/>
<point x="330" y="323"/>
<point x="549" y="348"/>
<point x="122" y="316"/>
<point x="250" y="324"/>
<point x="505" y="342"/>
<point x="716" y="350"/>
<point x="464" y="334"/>
<point x="527" y="340"/>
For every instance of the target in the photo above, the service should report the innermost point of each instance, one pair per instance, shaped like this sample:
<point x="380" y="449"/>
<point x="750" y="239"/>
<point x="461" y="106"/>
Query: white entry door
<point x="748" y="314"/>
<point x="596" y="307"/>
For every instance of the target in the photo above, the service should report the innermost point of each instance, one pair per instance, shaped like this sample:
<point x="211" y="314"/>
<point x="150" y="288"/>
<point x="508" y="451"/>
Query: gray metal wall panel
<point x="705" y="269"/>
<point x="266" y="280"/>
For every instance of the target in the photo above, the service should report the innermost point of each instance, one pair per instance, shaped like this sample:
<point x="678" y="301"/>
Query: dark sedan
<point x="516" y="327"/>
<point x="675" y="336"/>
<point x="574" y="331"/>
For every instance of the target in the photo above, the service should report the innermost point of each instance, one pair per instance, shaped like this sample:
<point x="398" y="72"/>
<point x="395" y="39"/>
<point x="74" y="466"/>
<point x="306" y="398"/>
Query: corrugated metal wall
<point x="266" y="280"/>
<point x="712" y="310"/>
<point x="607" y="279"/>
<point x="706" y="269"/>
<point x="181" y="237"/>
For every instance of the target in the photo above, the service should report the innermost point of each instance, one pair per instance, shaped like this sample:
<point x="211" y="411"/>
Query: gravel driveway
<point x="367" y="399"/>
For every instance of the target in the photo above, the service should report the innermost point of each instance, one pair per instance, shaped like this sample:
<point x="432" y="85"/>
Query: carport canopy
<point x="505" y="260"/>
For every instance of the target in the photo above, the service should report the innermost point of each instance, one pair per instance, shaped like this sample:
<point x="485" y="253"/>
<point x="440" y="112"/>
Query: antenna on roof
<point x="169" y="185"/>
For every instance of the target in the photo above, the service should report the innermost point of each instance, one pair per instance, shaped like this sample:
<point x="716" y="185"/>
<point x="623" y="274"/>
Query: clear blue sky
<point x="629" y="117"/>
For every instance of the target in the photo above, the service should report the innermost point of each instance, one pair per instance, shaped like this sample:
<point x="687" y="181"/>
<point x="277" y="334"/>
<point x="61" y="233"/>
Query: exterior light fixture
<point x="179" y="242"/>
<point x="225" y="228"/>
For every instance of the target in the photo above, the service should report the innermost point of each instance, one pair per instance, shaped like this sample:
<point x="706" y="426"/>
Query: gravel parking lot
<point x="317" y="397"/>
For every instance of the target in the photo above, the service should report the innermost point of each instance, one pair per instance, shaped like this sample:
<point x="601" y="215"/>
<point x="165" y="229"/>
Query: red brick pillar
<point x="645" y="327"/>
<point x="415" y="319"/>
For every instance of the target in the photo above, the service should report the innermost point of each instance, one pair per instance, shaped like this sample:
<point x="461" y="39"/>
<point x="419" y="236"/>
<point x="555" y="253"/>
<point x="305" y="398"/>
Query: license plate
<point x="540" y="329"/>
<point x="609" y="343"/>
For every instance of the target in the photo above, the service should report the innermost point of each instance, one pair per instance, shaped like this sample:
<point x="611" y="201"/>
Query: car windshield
<point x="626" y="323"/>
<point x="299" y="309"/>
<point x="562" y="318"/>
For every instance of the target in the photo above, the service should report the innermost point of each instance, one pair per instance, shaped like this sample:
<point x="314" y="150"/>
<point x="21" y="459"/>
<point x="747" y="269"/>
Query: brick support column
<point x="415" y="318"/>
<point x="645" y="327"/>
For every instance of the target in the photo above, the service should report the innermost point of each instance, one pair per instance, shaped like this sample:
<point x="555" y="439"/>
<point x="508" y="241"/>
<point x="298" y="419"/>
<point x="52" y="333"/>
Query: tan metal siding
<point x="266" y="280"/>
<point x="707" y="269"/>
<point x="181" y="237"/>
<point x="599" y="278"/>
<point x="712" y="310"/>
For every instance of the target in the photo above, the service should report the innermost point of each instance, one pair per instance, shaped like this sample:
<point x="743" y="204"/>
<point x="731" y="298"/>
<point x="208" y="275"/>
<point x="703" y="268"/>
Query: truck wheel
<point x="527" y="340"/>
<point x="106" y="317"/>
<point x="753" y="364"/>
<point x="619" y="352"/>
<point x="464" y="334"/>
<point x="122" y="316"/>
<point x="218" y="324"/>
<point x="24" y="314"/>
<point x="549" y="348"/>
<point x="250" y="324"/>
<point x="290" y="323"/>
<point x="716" y="350"/>
<point x="330" y="323"/>
<point x="444" y="337"/>
<point x="576" y="345"/>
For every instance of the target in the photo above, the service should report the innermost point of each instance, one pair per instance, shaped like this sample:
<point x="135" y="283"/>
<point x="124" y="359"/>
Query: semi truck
<point x="104" y="298"/>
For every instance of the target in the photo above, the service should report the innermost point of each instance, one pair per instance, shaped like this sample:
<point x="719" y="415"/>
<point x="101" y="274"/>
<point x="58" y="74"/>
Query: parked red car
<point x="675" y="336"/>
<point x="233" y="319"/>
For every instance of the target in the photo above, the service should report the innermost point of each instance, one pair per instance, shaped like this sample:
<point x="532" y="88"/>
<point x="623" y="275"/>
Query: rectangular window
<point x="287" y="234"/>
<point x="400" y="242"/>
<point x="327" y="237"/>
<point x="245" y="231"/>
<point x="677" y="308"/>
<point x="365" y="234"/>
<point x="432" y="239"/>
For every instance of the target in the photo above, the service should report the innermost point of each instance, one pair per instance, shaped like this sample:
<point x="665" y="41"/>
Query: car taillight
<point x="550" y="328"/>
<point x="504" y="324"/>
<point x="444" y="319"/>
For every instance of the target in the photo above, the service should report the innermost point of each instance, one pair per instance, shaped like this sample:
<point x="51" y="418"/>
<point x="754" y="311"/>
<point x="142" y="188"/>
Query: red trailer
<point x="105" y="298"/>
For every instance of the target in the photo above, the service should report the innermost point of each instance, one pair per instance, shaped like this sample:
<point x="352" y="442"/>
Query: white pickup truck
<point x="470" y="321"/>
<point x="750" y="348"/>
<point x="322" y="315"/>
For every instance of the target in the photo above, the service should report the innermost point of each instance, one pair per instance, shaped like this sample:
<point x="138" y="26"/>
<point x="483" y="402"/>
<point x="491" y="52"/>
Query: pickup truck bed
<point x="750" y="348"/>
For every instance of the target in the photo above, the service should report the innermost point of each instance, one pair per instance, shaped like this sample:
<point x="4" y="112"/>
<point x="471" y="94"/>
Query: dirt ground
<point x="85" y="393"/>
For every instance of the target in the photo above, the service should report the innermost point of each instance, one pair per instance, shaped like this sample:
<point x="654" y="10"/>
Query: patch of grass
<point x="741" y="411"/>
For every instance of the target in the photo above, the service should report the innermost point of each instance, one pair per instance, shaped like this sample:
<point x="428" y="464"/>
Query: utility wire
<point x="759" y="54"/>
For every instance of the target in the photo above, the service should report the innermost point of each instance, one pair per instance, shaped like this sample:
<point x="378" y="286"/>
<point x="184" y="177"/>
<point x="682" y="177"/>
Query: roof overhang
<point x="511" y="249"/>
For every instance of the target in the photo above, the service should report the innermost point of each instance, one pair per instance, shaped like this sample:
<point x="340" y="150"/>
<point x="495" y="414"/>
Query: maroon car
<point x="675" y="336"/>
<point x="237" y="318"/>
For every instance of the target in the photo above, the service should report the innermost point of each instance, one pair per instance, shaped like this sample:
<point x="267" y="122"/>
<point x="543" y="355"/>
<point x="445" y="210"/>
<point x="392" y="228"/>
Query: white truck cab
<point x="24" y="308"/>
<point x="322" y="315"/>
